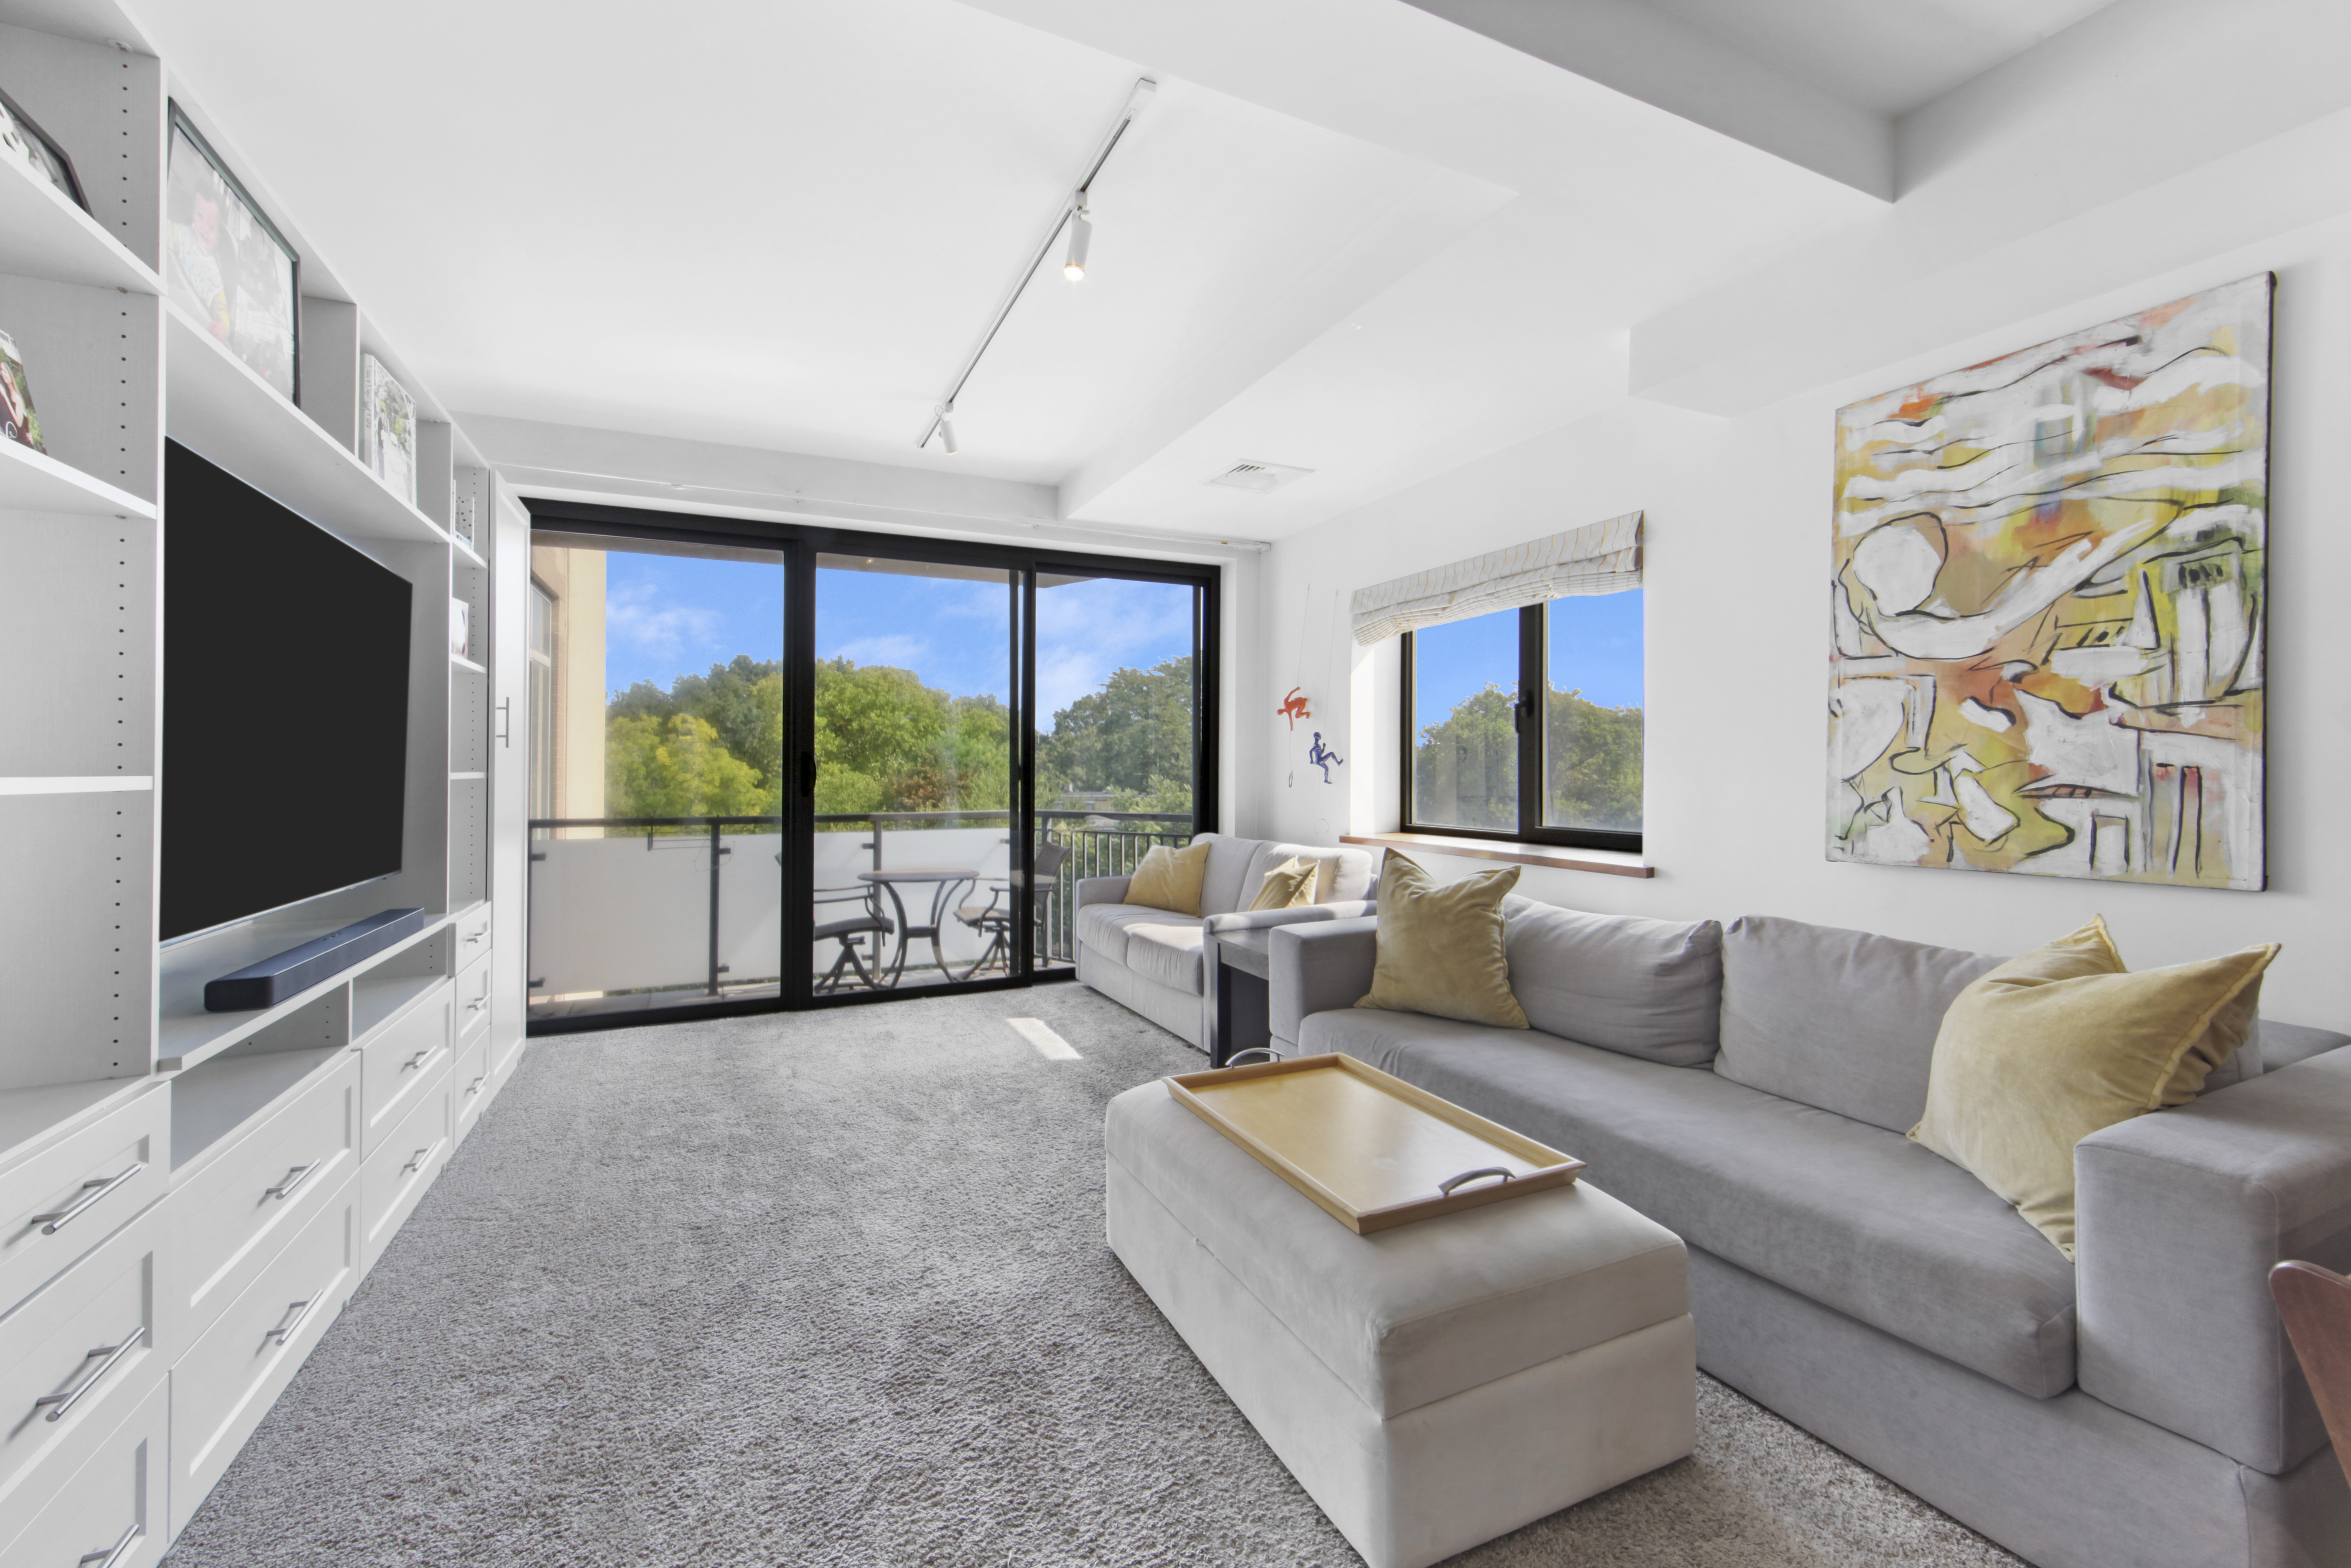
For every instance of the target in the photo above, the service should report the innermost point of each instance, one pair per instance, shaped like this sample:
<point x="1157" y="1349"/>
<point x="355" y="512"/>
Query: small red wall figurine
<point x="1293" y="707"/>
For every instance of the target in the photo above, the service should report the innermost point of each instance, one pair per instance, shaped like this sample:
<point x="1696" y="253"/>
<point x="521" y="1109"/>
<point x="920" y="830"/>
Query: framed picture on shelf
<point x="22" y="138"/>
<point x="226" y="264"/>
<point x="18" y="422"/>
<point x="387" y="429"/>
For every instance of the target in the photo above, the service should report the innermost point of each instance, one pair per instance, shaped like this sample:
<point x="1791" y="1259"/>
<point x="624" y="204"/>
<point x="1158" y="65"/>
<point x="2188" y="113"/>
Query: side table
<point x="1239" y="973"/>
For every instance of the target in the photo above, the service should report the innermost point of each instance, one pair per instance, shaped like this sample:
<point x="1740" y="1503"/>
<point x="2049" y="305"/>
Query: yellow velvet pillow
<point x="2049" y="1047"/>
<point x="1288" y="885"/>
<point x="1169" y="879"/>
<point x="1440" y="948"/>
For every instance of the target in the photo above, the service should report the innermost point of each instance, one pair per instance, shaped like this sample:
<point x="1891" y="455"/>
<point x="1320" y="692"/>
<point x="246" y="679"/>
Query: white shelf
<point x="378" y="998"/>
<point x="215" y="406"/>
<point x="44" y="234"/>
<point x="93" y="784"/>
<point x="186" y="1035"/>
<point x="466" y="551"/>
<point x="465" y="777"/>
<point x="210" y="1105"/>
<point x="34" y="481"/>
<point x="463" y="663"/>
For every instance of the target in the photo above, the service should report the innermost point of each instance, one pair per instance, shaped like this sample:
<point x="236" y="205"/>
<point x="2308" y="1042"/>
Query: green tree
<point x="886" y="742"/>
<point x="1465" y="768"/>
<point x="742" y="700"/>
<point x="676" y="767"/>
<point x="1132" y="737"/>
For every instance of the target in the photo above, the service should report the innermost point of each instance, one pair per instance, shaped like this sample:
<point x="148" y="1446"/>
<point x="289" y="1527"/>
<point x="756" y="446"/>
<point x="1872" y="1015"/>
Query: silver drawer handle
<point x="108" y="1556"/>
<point x="58" y="1404"/>
<point x="91" y="1191"/>
<point x="476" y="1086"/>
<point x="284" y="1331"/>
<point x="478" y="1003"/>
<point x="294" y="1178"/>
<point x="417" y="1163"/>
<point x="1447" y="1185"/>
<point x="419" y="1059"/>
<point x="477" y="935"/>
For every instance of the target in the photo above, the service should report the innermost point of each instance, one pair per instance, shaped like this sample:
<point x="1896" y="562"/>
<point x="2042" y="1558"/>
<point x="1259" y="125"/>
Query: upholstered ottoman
<point x="1433" y="1386"/>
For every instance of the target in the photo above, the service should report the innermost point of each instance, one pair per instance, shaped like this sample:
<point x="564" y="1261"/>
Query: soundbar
<point x="296" y="969"/>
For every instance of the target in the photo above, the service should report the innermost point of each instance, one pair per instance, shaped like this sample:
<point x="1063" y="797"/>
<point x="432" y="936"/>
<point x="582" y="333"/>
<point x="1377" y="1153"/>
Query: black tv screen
<point x="285" y="703"/>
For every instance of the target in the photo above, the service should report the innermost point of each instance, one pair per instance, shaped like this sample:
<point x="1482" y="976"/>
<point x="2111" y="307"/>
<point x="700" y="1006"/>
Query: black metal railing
<point x="1101" y="843"/>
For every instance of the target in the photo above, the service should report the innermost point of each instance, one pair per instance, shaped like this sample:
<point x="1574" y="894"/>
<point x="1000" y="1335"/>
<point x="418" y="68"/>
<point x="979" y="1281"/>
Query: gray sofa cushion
<point x="1843" y="1021"/>
<point x="1169" y="954"/>
<point x="2283" y="1044"/>
<point x="1222" y="889"/>
<point x="1854" y="1217"/>
<point x="1647" y="987"/>
<point x="1103" y="926"/>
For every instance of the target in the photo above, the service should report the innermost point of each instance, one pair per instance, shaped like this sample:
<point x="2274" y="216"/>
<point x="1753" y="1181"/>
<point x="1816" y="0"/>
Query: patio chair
<point x="851" y="931"/>
<point x="2315" y="1303"/>
<point x="993" y="918"/>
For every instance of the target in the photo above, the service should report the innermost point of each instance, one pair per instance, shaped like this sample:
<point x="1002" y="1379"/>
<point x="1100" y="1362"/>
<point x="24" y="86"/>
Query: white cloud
<point x="893" y="649"/>
<point x="637" y="616"/>
<point x="1087" y="629"/>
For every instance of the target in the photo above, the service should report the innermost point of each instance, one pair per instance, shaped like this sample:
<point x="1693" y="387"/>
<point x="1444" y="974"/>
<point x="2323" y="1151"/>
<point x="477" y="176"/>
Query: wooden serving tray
<point x="1373" y="1151"/>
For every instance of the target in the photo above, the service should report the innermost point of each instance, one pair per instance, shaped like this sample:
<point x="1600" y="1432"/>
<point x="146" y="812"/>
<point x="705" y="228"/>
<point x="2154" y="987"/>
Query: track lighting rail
<point x="1074" y="205"/>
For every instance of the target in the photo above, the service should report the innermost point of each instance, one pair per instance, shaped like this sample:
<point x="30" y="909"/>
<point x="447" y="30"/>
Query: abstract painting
<point x="2049" y="599"/>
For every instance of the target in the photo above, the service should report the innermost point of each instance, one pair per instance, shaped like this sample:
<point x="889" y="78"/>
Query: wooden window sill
<point x="1608" y="862"/>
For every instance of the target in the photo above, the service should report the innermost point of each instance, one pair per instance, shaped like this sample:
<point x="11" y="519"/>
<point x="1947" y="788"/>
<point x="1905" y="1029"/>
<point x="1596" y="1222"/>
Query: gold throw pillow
<point x="1440" y="948"/>
<point x="1286" y="885"/>
<point x="2049" y="1047"/>
<point x="1169" y="879"/>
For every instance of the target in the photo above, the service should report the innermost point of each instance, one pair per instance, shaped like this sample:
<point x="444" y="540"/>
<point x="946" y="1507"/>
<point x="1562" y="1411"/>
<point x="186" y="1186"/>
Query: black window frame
<point x="1534" y="653"/>
<point x="802" y="543"/>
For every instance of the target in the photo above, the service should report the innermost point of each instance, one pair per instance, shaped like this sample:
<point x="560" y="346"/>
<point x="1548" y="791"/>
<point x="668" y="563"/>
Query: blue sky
<point x="1596" y="648"/>
<point x="672" y="616"/>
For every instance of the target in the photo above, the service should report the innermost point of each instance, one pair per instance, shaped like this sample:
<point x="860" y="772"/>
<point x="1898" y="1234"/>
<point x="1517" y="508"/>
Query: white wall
<point x="1738" y="637"/>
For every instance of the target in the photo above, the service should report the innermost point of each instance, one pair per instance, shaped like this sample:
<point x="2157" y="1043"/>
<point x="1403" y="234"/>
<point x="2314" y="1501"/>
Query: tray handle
<point x="1449" y="1183"/>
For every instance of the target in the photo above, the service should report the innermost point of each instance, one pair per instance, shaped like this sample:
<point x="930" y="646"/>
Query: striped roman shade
<point x="1601" y="558"/>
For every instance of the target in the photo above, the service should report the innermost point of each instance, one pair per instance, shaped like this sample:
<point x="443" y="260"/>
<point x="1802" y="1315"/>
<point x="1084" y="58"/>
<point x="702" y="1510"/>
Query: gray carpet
<point x="831" y="1290"/>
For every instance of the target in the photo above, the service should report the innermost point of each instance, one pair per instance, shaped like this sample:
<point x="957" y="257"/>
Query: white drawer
<point x="81" y="1353"/>
<point x="473" y="988"/>
<point x="402" y="1166"/>
<point x="470" y="1086"/>
<point x="400" y="1063"/>
<point x="65" y="1200"/>
<point x="114" y="1498"/>
<point x="473" y="934"/>
<point x="232" y="1217"/>
<point x="226" y="1381"/>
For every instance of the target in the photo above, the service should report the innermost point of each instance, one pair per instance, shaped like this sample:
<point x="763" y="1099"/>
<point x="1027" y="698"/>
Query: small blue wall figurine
<point x="1321" y="755"/>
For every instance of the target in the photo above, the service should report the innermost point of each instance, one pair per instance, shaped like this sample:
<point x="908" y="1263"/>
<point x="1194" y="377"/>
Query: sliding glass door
<point x="917" y="752"/>
<point x="785" y="767"/>
<point x="657" y="769"/>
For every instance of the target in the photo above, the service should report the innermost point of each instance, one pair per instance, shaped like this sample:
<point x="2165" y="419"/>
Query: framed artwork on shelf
<point x="387" y="429"/>
<point x="18" y="422"/>
<point x="226" y="264"/>
<point x="2049" y="592"/>
<point x="21" y="137"/>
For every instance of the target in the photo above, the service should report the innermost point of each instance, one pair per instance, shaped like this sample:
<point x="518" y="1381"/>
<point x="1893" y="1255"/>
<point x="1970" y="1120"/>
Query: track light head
<point x="946" y="434"/>
<point x="1081" y="232"/>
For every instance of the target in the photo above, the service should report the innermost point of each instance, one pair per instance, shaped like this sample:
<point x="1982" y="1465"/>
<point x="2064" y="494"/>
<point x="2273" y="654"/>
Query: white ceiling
<point x="1886" y="56"/>
<point x="1346" y="234"/>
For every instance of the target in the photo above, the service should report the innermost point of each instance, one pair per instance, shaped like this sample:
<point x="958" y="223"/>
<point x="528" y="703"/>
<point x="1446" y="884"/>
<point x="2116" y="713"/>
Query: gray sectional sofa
<point x="1158" y="963"/>
<point x="1750" y="1089"/>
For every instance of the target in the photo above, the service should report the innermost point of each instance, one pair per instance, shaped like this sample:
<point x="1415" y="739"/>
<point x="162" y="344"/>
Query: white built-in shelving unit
<point x="247" y="1167"/>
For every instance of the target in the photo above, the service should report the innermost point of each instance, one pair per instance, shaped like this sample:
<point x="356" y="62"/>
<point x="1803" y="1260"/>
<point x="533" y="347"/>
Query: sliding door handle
<point x="808" y="772"/>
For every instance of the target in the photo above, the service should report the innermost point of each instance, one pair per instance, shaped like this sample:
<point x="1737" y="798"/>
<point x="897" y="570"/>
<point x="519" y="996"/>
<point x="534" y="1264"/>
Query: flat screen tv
<point x="285" y="704"/>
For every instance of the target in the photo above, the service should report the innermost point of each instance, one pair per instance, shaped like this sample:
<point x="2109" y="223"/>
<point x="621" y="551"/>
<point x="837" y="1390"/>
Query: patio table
<point x="944" y="880"/>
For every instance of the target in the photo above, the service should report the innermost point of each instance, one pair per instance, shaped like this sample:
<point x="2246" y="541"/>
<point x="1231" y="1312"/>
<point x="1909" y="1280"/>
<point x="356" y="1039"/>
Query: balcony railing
<point x="692" y="906"/>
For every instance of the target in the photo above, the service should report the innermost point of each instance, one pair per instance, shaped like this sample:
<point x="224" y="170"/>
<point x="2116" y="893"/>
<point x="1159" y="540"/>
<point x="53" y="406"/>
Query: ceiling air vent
<point x="1259" y="477"/>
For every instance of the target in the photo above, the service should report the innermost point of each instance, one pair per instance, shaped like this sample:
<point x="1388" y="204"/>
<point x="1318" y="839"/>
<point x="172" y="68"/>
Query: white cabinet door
<point x="509" y="767"/>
